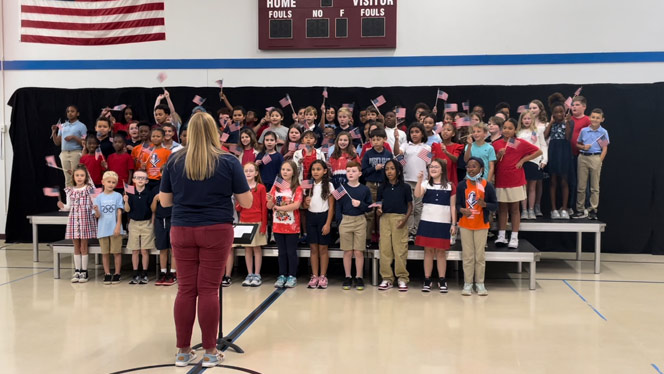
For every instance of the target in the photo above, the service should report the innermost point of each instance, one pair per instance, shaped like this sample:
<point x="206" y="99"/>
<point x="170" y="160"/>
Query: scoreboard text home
<point x="312" y="24"/>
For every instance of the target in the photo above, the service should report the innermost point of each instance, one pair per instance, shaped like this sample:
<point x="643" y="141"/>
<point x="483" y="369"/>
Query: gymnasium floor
<point x="576" y="322"/>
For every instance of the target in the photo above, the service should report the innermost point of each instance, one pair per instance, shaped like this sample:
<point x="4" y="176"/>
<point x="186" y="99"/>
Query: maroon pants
<point x="201" y="254"/>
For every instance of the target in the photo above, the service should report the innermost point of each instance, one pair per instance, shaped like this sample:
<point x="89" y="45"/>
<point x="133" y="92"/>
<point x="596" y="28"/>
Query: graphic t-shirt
<point x="286" y="222"/>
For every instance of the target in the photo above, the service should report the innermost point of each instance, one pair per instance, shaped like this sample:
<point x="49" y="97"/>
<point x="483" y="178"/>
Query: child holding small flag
<point x="429" y="123"/>
<point x="103" y="128"/>
<point x="121" y="162"/>
<point x="527" y="131"/>
<point x="269" y="166"/>
<point x="310" y="115"/>
<point x="417" y="139"/>
<point x="373" y="164"/>
<point x="152" y="159"/>
<point x="81" y="224"/>
<point x="593" y="144"/>
<point x="140" y="230"/>
<point x="392" y="131"/>
<point x="512" y="154"/>
<point x="478" y="147"/>
<point x="257" y="214"/>
<point x="395" y="204"/>
<point x="285" y="199"/>
<point x="69" y="136"/>
<point x="370" y="127"/>
<point x="536" y="107"/>
<point x="352" y="203"/>
<point x="305" y="156"/>
<point x="276" y="116"/>
<point x="477" y="198"/>
<point x="320" y="213"/>
<point x="108" y="211"/>
<point x="559" y="134"/>
<point x="235" y="127"/>
<point x="448" y="151"/>
<point x="292" y="142"/>
<point x="438" y="221"/>
<point x="343" y="153"/>
<point x="249" y="146"/>
<point x="93" y="160"/>
<point x="330" y="117"/>
<point x="143" y="146"/>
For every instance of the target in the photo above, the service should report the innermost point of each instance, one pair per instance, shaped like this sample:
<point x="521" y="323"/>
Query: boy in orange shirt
<point x="153" y="158"/>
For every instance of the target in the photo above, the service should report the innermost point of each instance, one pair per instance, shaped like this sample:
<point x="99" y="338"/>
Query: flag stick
<point x="374" y="104"/>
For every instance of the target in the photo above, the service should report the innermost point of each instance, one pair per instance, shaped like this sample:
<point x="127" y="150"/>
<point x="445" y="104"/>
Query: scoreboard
<point x="314" y="24"/>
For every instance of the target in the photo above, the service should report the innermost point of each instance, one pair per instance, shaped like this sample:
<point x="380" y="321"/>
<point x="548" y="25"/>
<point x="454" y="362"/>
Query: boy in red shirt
<point x="94" y="159"/>
<point x="121" y="162"/>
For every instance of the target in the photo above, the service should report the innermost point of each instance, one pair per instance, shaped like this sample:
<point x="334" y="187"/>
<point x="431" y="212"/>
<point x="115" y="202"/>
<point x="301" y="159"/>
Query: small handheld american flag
<point x="129" y="189"/>
<point x="286" y="101"/>
<point x="442" y="95"/>
<point x="425" y="155"/>
<point x="302" y="147"/>
<point x="533" y="137"/>
<point x="220" y="83"/>
<point x="292" y="147"/>
<point x="339" y="192"/>
<point x="307" y="184"/>
<point x="161" y="77"/>
<point x="119" y="107"/>
<point x="401" y="113"/>
<point x="466" y="105"/>
<point x="568" y="103"/>
<point x="268" y="109"/>
<point x="438" y="128"/>
<point x="266" y="159"/>
<point x="578" y="91"/>
<point x="235" y="149"/>
<point x="602" y="141"/>
<point x="355" y="133"/>
<point x="234" y="126"/>
<point x="401" y="160"/>
<point x="349" y="106"/>
<point x="463" y="122"/>
<point x="479" y="185"/>
<point x="224" y="137"/>
<point x="281" y="184"/>
<point x="451" y="108"/>
<point x="99" y="154"/>
<point x="50" y="161"/>
<point x="198" y="100"/>
<point x="522" y="108"/>
<point x="51" y="192"/>
<point x="325" y="92"/>
<point x="513" y="143"/>
<point x="380" y="100"/>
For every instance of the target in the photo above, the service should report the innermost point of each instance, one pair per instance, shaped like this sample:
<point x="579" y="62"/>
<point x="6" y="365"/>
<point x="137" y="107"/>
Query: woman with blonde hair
<point x="198" y="182"/>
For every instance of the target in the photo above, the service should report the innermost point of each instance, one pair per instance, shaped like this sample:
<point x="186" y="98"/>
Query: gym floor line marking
<point x="253" y="316"/>
<point x="190" y="371"/>
<point x="23" y="267"/>
<point x="601" y="280"/>
<point x="25" y="277"/>
<point x="584" y="300"/>
<point x="656" y="368"/>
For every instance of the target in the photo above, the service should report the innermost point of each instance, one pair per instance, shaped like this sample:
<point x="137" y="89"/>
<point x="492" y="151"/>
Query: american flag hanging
<point x="92" y="22"/>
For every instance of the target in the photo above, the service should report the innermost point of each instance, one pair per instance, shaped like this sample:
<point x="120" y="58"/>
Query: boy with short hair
<point x="121" y="162"/>
<point x="593" y="144"/>
<point x="478" y="147"/>
<point x="144" y="135"/>
<point x="108" y="210"/>
<point x="152" y="159"/>
<point x="141" y="231"/>
<point x="310" y="115"/>
<point x="350" y="209"/>
<point x="373" y="170"/>
<point x="579" y="121"/>
<point x="161" y="113"/>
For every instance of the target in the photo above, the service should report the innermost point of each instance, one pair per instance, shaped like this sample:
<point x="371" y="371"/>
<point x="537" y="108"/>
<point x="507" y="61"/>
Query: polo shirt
<point x="590" y="136"/>
<point x="140" y="205"/>
<point x="68" y="128"/>
<point x="395" y="197"/>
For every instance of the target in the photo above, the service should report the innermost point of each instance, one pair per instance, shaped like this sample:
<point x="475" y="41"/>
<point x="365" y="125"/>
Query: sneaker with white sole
<point x="442" y="285"/>
<point x="531" y="214"/>
<point x="247" y="281"/>
<point x="501" y="241"/>
<point x="538" y="211"/>
<point x="481" y="290"/>
<point x="403" y="286"/>
<point x="256" y="280"/>
<point x="579" y="215"/>
<point x="184" y="359"/>
<point x="322" y="282"/>
<point x="385" y="285"/>
<point x="291" y="282"/>
<point x="426" y="287"/>
<point x="76" y="277"/>
<point x="313" y="282"/>
<point x="514" y="243"/>
<point x="84" y="277"/>
<point x="107" y="278"/>
<point x="281" y="280"/>
<point x="212" y="360"/>
<point x="524" y="214"/>
<point x="467" y="289"/>
<point x="555" y="214"/>
<point x="564" y="214"/>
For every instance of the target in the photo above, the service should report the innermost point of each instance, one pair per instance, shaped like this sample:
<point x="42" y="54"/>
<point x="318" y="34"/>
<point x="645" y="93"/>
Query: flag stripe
<point x="93" y="34"/>
<point x="92" y="26"/>
<point x="92" y="19"/>
<point x="93" y="41"/>
<point x="90" y="10"/>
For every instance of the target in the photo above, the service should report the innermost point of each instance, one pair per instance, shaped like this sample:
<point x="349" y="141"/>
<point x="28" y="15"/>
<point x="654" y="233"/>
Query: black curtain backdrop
<point x="631" y="202"/>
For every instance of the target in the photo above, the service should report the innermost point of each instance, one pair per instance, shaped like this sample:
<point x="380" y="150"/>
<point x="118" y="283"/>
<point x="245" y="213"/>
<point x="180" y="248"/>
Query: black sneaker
<point x="107" y="278"/>
<point x="84" y="277"/>
<point x="359" y="283"/>
<point x="136" y="279"/>
<point x="347" y="284"/>
<point x="592" y="214"/>
<point x="411" y="239"/>
<point x="426" y="287"/>
<point x="579" y="215"/>
<point x="442" y="285"/>
<point x="115" y="279"/>
<point x="144" y="279"/>
<point x="226" y="281"/>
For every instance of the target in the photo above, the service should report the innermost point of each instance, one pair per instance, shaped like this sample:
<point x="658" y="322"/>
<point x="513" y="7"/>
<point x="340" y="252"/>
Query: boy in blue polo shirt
<point x="593" y="143"/>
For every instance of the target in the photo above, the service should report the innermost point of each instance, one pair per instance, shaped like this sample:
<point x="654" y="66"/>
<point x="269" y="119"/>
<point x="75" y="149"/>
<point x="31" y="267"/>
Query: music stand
<point x="242" y="234"/>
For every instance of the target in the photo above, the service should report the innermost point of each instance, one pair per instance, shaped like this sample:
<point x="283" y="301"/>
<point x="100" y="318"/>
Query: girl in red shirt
<point x="342" y="154"/>
<point x="511" y="180"/>
<point x="257" y="214"/>
<point x="248" y="144"/>
<point x="448" y="151"/>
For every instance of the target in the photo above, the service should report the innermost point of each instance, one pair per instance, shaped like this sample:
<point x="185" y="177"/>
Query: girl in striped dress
<point x="82" y="224"/>
<point x="437" y="222"/>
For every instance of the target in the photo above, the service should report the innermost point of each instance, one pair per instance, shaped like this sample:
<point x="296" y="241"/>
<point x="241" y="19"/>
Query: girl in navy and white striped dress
<point x="437" y="221"/>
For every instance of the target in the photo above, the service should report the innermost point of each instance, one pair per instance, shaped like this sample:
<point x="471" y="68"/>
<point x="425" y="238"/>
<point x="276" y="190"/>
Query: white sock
<point x="84" y="262"/>
<point x="515" y="235"/>
<point x="77" y="262"/>
<point x="501" y="233"/>
<point x="172" y="271"/>
<point x="163" y="270"/>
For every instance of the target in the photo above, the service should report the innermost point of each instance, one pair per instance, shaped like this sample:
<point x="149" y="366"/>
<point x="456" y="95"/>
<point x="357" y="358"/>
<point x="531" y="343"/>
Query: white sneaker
<point x="403" y="286"/>
<point x="531" y="214"/>
<point x="481" y="290"/>
<point x="467" y="289"/>
<point x="538" y="211"/>
<point x="524" y="214"/>
<point x="501" y="241"/>
<point x="76" y="277"/>
<point x="555" y="214"/>
<point x="564" y="214"/>
<point x="385" y="285"/>
<point x="570" y="211"/>
<point x="247" y="280"/>
<point x="256" y="280"/>
<point x="514" y="243"/>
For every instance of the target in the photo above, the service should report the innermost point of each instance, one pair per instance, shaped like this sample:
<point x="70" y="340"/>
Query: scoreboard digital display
<point x="314" y="24"/>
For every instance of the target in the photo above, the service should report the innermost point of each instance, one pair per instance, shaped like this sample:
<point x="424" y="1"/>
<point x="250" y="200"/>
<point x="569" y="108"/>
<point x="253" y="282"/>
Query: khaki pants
<point x="588" y="166"/>
<point x="473" y="254"/>
<point x="371" y="215"/>
<point x="69" y="160"/>
<point x="414" y="219"/>
<point x="393" y="246"/>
